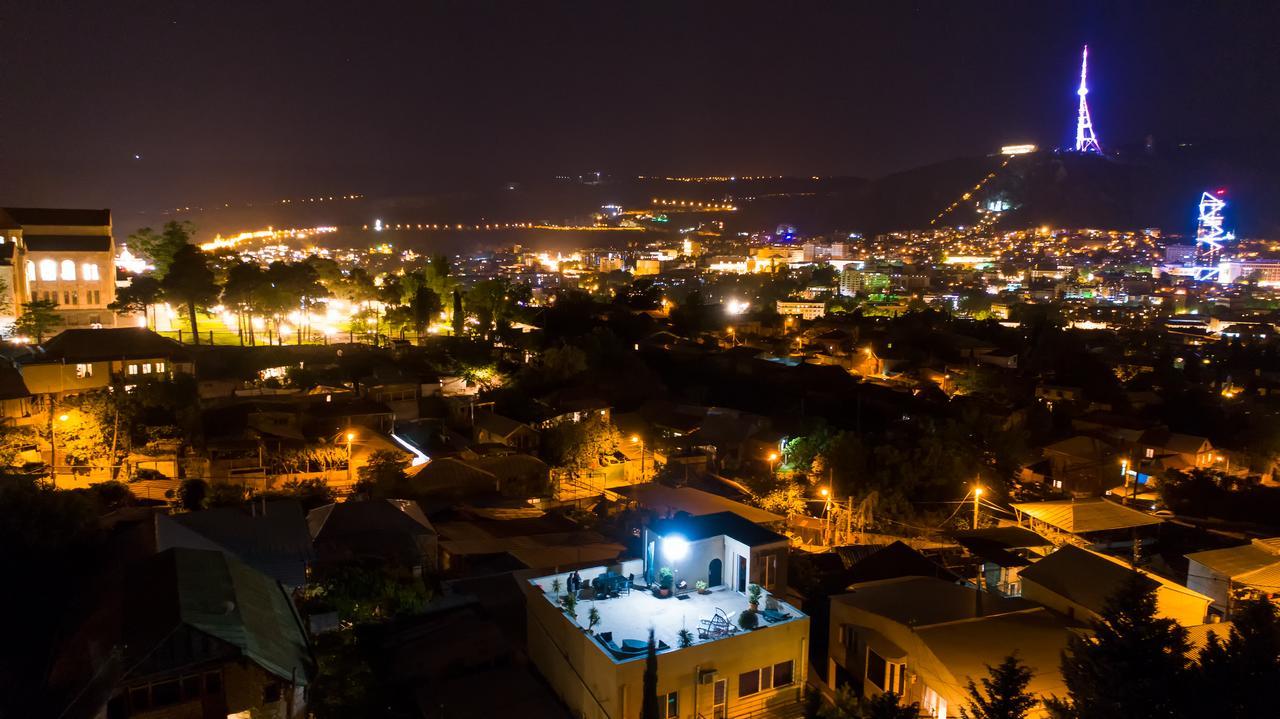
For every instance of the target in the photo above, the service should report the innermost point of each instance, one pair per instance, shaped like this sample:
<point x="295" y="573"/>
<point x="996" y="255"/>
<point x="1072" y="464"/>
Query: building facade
<point x="66" y="256"/>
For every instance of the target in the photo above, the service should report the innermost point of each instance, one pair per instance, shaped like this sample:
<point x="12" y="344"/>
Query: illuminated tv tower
<point x="1086" y="141"/>
<point x="1210" y="233"/>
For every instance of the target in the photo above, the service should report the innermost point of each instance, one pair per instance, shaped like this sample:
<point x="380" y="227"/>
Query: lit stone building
<point x="63" y="255"/>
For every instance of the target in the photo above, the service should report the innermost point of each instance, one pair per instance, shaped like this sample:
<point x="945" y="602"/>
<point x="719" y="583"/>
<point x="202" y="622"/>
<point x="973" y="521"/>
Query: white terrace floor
<point x="631" y="615"/>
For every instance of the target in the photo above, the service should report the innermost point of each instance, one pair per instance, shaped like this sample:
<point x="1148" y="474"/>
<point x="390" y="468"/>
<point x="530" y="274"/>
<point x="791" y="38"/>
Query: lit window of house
<point x="68" y="270"/>
<point x="146" y="368"/>
<point x="132" y="369"/>
<point x="84" y="370"/>
<point x="48" y="270"/>
<point x="89" y="271"/>
<point x="159" y="366"/>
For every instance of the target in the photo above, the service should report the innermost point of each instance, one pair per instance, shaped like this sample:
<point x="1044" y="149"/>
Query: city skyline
<point x="204" y="106"/>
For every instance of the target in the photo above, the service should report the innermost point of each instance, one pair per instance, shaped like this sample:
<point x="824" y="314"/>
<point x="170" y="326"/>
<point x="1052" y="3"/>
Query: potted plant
<point x="666" y="580"/>
<point x="684" y="638"/>
<point x="570" y="603"/>
<point x="749" y="620"/>
<point x="593" y="618"/>
<point x="701" y="586"/>
<point x="753" y="596"/>
<point x="556" y="585"/>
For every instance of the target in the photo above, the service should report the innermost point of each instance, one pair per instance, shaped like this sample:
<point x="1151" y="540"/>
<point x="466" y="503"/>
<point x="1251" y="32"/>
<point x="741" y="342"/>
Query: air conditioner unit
<point x="706" y="676"/>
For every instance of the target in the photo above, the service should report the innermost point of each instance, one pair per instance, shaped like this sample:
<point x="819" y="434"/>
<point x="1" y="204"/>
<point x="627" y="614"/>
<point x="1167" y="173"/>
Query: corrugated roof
<point x="272" y="537"/>
<point x="1233" y="562"/>
<point x="225" y="598"/>
<point x="968" y="648"/>
<point x="694" y="501"/>
<point x="1081" y="576"/>
<point x="1088" y="515"/>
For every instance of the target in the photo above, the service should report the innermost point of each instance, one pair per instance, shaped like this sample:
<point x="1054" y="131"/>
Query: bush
<point x="748" y="620"/>
<point x="666" y="578"/>
<point x="193" y="494"/>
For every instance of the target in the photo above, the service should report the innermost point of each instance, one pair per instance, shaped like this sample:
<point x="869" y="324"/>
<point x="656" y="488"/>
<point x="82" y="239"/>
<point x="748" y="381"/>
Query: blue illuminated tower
<point x="1086" y="141"/>
<point x="1210" y="232"/>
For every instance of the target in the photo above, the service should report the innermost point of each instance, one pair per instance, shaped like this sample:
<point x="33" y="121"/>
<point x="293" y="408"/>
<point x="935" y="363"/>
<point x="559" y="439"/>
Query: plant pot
<point x="754" y="606"/>
<point x="664" y="592"/>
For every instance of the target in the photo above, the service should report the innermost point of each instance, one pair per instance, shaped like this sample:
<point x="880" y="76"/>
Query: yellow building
<point x="725" y="670"/>
<point x="63" y="255"/>
<point x="79" y="360"/>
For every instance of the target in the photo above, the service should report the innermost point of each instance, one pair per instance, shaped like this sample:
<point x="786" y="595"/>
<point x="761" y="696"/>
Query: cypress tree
<point x="649" y="703"/>
<point x="1004" y="692"/>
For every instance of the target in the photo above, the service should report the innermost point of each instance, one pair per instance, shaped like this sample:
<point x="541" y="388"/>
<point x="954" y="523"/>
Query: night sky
<point x="229" y="101"/>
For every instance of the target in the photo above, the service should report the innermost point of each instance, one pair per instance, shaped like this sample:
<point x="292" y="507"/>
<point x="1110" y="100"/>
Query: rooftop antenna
<point x="1086" y="141"/>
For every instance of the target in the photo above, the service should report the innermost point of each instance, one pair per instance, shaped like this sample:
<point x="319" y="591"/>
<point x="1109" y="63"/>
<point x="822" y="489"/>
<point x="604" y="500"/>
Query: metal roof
<point x="1083" y="516"/>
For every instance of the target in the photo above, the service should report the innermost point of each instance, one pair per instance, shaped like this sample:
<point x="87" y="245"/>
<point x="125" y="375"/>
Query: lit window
<point x="1150" y="453"/>
<point x="146" y="368"/>
<point x="48" y="270"/>
<point x="68" y="270"/>
<point x="83" y="371"/>
<point x="89" y="271"/>
<point x="159" y="366"/>
<point x="133" y="369"/>
<point x="31" y="271"/>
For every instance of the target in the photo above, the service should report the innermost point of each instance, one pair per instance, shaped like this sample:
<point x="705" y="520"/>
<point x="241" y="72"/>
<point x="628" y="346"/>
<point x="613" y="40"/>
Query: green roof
<point x="217" y="594"/>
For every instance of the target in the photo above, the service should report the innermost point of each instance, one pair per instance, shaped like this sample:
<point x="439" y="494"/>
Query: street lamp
<point x="773" y="457"/>
<point x="635" y="439"/>
<point x="977" y="495"/>
<point x="350" y="437"/>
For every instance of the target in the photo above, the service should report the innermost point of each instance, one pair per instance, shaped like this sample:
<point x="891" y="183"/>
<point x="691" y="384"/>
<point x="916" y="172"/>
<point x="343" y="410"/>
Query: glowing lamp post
<point x="977" y="496"/>
<point x="350" y="438"/>
<point x="773" y="457"/>
<point x="635" y="439"/>
<point x="53" y="448"/>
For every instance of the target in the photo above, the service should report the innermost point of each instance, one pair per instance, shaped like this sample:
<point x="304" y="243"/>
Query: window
<point x="146" y="368"/>
<point x="876" y="668"/>
<point x="271" y="693"/>
<point x="160" y="367"/>
<point x="770" y="571"/>
<point x="31" y="271"/>
<point x="848" y="637"/>
<point x="165" y="693"/>
<point x="213" y="683"/>
<point x="671" y="706"/>
<point x="66" y="297"/>
<point x="89" y="271"/>
<point x="97" y="297"/>
<point x="771" y="677"/>
<point x="191" y="687"/>
<point x="132" y="369"/>
<point x="749" y="683"/>
<point x="783" y="674"/>
<point x="75" y="297"/>
<point x="48" y="270"/>
<point x="68" y="270"/>
<point x="84" y="371"/>
<point x="1150" y="453"/>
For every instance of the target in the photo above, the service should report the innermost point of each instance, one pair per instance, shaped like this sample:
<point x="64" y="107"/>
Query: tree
<point x="887" y="706"/>
<point x="384" y="474"/>
<point x="459" y="317"/>
<point x="38" y="318"/>
<point x="243" y="291"/>
<point x="1237" y="677"/>
<point x="192" y="494"/>
<point x="1004" y="692"/>
<point x="649" y="708"/>
<point x="424" y="304"/>
<point x="143" y="292"/>
<point x="162" y="247"/>
<point x="578" y="446"/>
<point x="189" y="282"/>
<point x="1134" y="665"/>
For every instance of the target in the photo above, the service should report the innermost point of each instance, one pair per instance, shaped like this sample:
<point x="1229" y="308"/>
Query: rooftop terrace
<point x="625" y="620"/>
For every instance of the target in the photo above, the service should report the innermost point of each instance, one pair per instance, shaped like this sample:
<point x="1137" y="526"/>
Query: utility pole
<point x="977" y="494"/>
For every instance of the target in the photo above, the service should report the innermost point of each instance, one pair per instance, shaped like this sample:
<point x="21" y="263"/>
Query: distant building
<point x="648" y="267"/>
<point x="803" y="310"/>
<point x="853" y="281"/>
<point x="610" y="263"/>
<point x="79" y="360"/>
<point x="66" y="256"/>
<point x="1180" y="254"/>
<point x="1234" y="573"/>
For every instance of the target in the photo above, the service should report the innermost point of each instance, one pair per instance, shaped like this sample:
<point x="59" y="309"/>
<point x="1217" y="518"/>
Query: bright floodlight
<point x="675" y="547"/>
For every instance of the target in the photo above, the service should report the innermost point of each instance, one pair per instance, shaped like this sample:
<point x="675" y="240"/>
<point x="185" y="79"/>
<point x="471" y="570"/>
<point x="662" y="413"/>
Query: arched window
<point x="89" y="271"/>
<point x="48" y="270"/>
<point x="31" y="271"/>
<point x="68" y="270"/>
